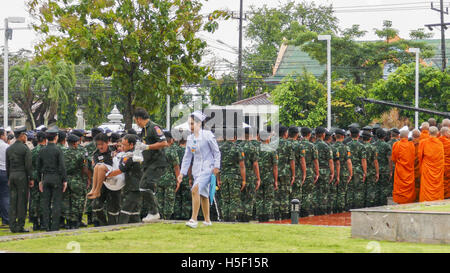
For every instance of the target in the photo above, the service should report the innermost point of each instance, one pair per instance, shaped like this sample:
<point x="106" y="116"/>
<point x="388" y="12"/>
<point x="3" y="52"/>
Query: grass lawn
<point x="254" y="238"/>
<point x="422" y="207"/>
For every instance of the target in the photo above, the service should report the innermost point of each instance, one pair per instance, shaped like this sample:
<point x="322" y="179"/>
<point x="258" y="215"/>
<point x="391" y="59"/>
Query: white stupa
<point x="115" y="123"/>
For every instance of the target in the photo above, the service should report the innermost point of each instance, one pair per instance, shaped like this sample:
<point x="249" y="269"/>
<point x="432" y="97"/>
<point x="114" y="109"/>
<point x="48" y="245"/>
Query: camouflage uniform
<point x="65" y="203"/>
<point x="165" y="189"/>
<point x="75" y="160"/>
<point x="385" y="184"/>
<point x="183" y="202"/>
<point x="35" y="211"/>
<point x="230" y="177"/>
<point x="344" y="154"/>
<point x="371" y="184"/>
<point x="265" y="194"/>
<point x="282" y="202"/>
<point x="332" y="188"/>
<point x="321" y="190"/>
<point x="251" y="152"/>
<point x="89" y="150"/>
<point x="307" y="199"/>
<point x="356" y="187"/>
<point x="299" y="153"/>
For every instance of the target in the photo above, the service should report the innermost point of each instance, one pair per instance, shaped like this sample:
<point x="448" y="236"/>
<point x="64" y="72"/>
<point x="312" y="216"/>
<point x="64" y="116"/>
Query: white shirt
<point x="3" y="147"/>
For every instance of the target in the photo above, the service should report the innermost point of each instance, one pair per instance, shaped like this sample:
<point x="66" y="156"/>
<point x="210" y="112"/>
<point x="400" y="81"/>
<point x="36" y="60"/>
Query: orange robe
<point x="416" y="168"/>
<point x="446" y="142"/>
<point x="431" y="160"/>
<point x="425" y="134"/>
<point x="403" y="155"/>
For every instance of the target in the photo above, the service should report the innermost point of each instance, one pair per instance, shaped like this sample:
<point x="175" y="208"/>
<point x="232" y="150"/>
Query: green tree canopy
<point x="133" y="42"/>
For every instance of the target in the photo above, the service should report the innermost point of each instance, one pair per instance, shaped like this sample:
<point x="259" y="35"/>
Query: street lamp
<point x="417" y="51"/>
<point x="8" y="36"/>
<point x="328" y="39"/>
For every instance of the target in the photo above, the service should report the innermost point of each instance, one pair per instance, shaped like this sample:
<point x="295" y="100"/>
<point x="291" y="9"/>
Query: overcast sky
<point x="406" y="15"/>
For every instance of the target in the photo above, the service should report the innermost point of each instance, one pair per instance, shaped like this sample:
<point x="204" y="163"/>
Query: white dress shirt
<point x="3" y="147"/>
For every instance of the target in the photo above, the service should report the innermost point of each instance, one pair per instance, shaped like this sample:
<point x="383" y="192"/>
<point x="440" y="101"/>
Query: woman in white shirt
<point x="202" y="149"/>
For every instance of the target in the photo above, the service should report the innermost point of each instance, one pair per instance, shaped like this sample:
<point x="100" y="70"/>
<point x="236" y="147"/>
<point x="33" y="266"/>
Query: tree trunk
<point x="129" y="110"/>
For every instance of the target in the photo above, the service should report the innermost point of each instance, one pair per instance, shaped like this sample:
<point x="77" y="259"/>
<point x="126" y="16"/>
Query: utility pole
<point x="241" y="18"/>
<point x="443" y="27"/>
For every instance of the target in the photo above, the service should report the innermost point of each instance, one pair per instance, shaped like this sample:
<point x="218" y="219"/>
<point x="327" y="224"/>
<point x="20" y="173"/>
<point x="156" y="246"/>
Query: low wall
<point x="392" y="224"/>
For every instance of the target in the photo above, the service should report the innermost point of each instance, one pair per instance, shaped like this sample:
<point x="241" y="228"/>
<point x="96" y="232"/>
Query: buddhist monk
<point x="403" y="154"/>
<point x="445" y="139"/>
<point x="432" y="122"/>
<point x="446" y="123"/>
<point x="431" y="160"/>
<point x="415" y="141"/>
<point x="424" y="128"/>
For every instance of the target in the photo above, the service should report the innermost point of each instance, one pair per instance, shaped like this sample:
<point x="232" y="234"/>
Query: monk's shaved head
<point x="404" y="133"/>
<point x="415" y="133"/>
<point x="445" y="131"/>
<point x="425" y="126"/>
<point x="446" y="123"/>
<point x="434" y="131"/>
<point x="432" y="122"/>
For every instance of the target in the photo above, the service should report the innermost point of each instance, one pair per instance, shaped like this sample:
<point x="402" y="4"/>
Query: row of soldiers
<point x="327" y="172"/>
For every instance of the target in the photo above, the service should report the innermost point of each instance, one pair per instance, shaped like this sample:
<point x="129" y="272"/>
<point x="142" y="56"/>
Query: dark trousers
<point x="51" y="202"/>
<point x="18" y="203"/>
<point x="111" y="201"/>
<point x="131" y="207"/>
<point x="147" y="186"/>
<point x="4" y="197"/>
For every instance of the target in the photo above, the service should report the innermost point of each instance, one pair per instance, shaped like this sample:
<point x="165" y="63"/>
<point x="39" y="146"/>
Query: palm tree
<point x="56" y="79"/>
<point x="22" y="83"/>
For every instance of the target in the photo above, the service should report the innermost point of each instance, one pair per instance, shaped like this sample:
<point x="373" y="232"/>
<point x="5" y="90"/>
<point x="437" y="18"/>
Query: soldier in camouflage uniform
<point x="326" y="173"/>
<point x="395" y="136"/>
<point x="35" y="212"/>
<point x="165" y="189"/>
<point x="75" y="161"/>
<point x="344" y="157"/>
<point x="253" y="180"/>
<point x="312" y="173"/>
<point x="183" y="203"/>
<point x="299" y="154"/>
<point x="385" y="183"/>
<point x="268" y="163"/>
<point x="356" y="187"/>
<point x="332" y="187"/>
<point x="65" y="203"/>
<point x="372" y="171"/>
<point x="232" y="173"/>
<point x="286" y="175"/>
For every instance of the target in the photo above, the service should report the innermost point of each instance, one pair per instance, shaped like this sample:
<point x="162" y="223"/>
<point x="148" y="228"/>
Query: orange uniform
<point x="425" y="134"/>
<point x="431" y="160"/>
<point x="416" y="168"/>
<point x="446" y="142"/>
<point x="403" y="155"/>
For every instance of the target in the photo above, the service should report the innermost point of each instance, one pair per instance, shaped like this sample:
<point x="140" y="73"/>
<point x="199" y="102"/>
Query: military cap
<point x="30" y="135"/>
<point x="53" y="130"/>
<point x="20" y="130"/>
<point x="353" y="125"/>
<point x="328" y="133"/>
<point x="380" y="133"/>
<point x="367" y="128"/>
<point x="77" y="132"/>
<point x="320" y="130"/>
<point x="354" y="130"/>
<point x="366" y="134"/>
<point x="73" y="138"/>
<point x="395" y="131"/>
<point x="376" y="126"/>
<point x="339" y="132"/>
<point x="95" y="131"/>
<point x="62" y="135"/>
